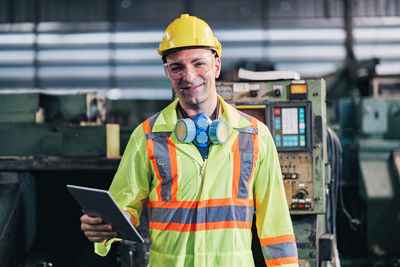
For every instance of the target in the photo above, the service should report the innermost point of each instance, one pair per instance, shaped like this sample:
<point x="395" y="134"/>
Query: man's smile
<point x="191" y="87"/>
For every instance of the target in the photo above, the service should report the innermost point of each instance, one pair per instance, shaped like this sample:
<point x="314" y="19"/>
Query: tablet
<point x="100" y="203"/>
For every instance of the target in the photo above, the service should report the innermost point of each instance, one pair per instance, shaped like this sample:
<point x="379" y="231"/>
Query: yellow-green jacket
<point x="200" y="212"/>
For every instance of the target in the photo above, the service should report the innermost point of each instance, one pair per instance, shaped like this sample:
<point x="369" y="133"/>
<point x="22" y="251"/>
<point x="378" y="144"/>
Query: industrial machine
<point x="56" y="125"/>
<point x="295" y="112"/>
<point x="47" y="141"/>
<point x="369" y="119"/>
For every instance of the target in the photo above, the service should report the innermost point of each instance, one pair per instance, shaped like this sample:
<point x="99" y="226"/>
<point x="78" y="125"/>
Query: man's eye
<point x="199" y="64"/>
<point x="176" y="68"/>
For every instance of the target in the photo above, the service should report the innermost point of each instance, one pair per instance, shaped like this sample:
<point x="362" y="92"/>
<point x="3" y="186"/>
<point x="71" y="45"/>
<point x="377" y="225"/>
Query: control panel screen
<point x="290" y="126"/>
<point x="256" y="112"/>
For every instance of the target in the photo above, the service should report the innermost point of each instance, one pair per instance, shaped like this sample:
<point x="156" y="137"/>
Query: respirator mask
<point x="202" y="131"/>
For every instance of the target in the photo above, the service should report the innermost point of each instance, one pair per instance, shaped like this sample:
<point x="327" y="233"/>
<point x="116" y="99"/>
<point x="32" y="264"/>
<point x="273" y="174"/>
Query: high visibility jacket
<point x="201" y="211"/>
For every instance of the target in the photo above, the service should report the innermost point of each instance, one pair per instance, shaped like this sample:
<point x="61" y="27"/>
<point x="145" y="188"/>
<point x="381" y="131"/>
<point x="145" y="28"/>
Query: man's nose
<point x="188" y="74"/>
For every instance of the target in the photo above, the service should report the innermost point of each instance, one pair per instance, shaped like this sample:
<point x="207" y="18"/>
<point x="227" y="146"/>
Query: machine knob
<point x="253" y="93"/>
<point x="277" y="92"/>
<point x="302" y="194"/>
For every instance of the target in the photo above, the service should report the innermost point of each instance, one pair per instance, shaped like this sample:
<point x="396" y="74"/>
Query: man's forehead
<point x="188" y="53"/>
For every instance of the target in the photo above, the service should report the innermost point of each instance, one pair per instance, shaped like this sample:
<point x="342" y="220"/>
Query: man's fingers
<point x="91" y="220"/>
<point x="96" y="227"/>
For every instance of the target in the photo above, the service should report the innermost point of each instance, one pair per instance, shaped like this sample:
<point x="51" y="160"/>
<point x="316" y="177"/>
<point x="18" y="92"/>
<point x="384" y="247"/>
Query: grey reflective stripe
<point x="159" y="134"/>
<point x="248" y="129"/>
<point x="281" y="250"/>
<point x="247" y="156"/>
<point x="201" y="215"/>
<point x="246" y="163"/>
<point x="245" y="143"/>
<point x="161" y="154"/>
<point x="153" y="119"/>
<point x="244" y="115"/>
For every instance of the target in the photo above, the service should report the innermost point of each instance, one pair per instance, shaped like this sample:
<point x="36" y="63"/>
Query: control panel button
<point x="277" y="140"/>
<point x="277" y="123"/>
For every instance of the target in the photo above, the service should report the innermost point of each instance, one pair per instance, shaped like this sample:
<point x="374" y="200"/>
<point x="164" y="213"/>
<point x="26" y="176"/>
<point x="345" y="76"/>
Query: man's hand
<point x="95" y="229"/>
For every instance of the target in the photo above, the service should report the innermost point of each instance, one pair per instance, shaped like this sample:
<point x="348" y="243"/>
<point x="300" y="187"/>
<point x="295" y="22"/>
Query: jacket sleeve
<point x="274" y="225"/>
<point x="130" y="186"/>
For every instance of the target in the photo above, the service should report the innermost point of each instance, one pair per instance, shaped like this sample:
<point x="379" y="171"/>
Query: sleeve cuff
<point x="102" y="248"/>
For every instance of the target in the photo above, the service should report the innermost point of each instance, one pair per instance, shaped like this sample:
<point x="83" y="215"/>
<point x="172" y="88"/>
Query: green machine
<point x="370" y="133"/>
<point x="47" y="141"/>
<point x="34" y="124"/>
<point x="295" y="112"/>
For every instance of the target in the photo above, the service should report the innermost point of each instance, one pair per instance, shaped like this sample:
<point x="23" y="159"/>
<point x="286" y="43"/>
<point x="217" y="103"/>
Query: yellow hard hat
<point x="188" y="31"/>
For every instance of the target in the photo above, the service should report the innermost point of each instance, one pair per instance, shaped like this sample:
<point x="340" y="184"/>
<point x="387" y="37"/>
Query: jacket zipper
<point x="202" y="169"/>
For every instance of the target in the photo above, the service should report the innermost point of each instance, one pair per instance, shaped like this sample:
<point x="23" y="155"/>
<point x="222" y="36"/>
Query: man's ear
<point x="217" y="67"/>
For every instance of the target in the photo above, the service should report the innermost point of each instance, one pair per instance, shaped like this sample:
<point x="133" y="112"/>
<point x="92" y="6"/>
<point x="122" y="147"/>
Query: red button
<point x="277" y="111"/>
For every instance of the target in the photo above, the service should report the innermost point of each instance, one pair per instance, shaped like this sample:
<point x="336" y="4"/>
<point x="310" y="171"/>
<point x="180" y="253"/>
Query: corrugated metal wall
<point x="161" y="10"/>
<point x="118" y="51"/>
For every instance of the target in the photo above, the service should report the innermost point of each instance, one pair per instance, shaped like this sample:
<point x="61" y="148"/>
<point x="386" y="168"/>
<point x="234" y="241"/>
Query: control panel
<point x="289" y="123"/>
<point x="290" y="126"/>
<point x="297" y="173"/>
<point x="294" y="112"/>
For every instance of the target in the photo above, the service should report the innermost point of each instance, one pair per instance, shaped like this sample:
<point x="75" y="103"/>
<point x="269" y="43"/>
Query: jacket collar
<point x="168" y="117"/>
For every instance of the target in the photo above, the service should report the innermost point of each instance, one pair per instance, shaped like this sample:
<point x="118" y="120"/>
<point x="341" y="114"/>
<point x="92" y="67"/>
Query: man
<point x="202" y="194"/>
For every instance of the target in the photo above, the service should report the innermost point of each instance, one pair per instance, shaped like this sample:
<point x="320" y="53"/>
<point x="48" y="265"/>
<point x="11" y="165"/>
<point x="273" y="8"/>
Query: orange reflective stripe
<point x="146" y="126"/>
<point x="252" y="171"/>
<point x="201" y="204"/>
<point x="174" y="169"/>
<point x="133" y="219"/>
<point x="182" y="227"/>
<point x="150" y="149"/>
<point x="106" y="242"/>
<point x="159" y="178"/>
<point x="277" y="239"/>
<point x="149" y="142"/>
<point x="150" y="153"/>
<point x="253" y="122"/>
<point x="162" y="153"/>
<point x="281" y="261"/>
<point x="236" y="167"/>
